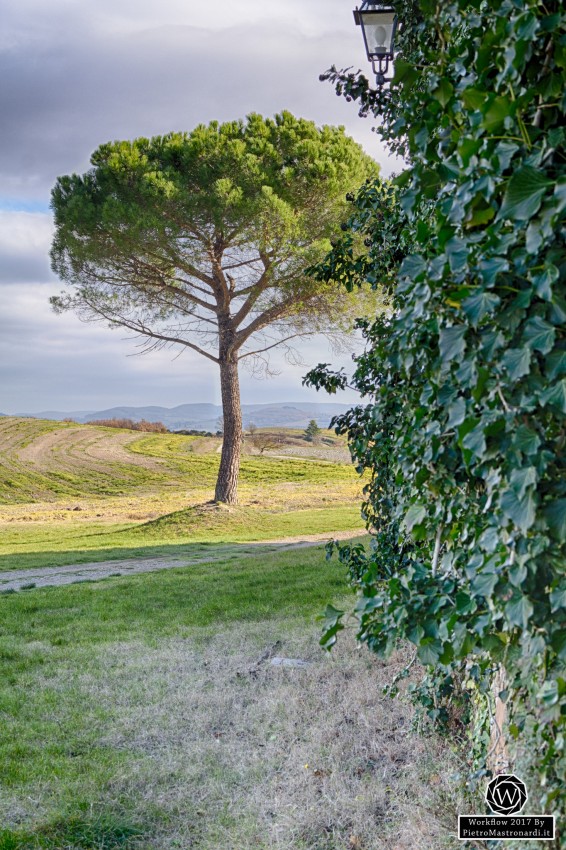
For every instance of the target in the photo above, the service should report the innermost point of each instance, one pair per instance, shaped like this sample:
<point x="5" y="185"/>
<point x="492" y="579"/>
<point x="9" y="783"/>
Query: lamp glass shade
<point x="379" y="31"/>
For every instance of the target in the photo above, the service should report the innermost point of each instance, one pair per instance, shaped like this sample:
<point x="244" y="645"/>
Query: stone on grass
<point x="277" y="661"/>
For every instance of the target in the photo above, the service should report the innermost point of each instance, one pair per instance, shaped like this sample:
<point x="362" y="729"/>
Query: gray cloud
<point x="78" y="74"/>
<point x="25" y="239"/>
<point x="73" y="84"/>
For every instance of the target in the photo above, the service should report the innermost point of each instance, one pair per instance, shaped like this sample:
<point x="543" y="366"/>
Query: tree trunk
<point x="227" y="482"/>
<point x="498" y="759"/>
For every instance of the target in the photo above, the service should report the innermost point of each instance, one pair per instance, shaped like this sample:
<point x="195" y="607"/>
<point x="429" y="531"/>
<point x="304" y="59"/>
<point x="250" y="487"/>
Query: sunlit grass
<point x="41" y="460"/>
<point x="55" y="544"/>
<point x="75" y="499"/>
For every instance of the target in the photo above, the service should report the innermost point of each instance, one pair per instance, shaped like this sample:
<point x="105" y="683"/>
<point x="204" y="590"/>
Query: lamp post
<point x="379" y="23"/>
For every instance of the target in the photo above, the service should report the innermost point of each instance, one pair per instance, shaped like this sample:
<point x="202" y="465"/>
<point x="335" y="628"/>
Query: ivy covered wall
<point x="462" y="424"/>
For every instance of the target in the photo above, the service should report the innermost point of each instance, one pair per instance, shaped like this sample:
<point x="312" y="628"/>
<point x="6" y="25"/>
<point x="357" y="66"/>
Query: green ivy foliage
<point x="464" y="428"/>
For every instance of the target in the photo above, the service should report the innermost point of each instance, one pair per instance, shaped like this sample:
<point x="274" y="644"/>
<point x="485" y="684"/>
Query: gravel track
<point x="13" y="580"/>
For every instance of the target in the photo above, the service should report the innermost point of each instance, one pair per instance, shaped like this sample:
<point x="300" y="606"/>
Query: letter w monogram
<point x="506" y="796"/>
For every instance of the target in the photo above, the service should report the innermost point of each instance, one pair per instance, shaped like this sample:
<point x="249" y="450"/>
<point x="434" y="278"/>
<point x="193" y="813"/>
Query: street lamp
<point x="379" y="23"/>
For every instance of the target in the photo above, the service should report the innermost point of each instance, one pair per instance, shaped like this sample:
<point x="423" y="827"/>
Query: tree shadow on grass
<point x="192" y="534"/>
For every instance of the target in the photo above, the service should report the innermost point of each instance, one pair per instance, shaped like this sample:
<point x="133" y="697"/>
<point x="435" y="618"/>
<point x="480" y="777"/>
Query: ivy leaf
<point x="491" y="267"/>
<point x="496" y="113"/>
<point x="539" y="335"/>
<point x="330" y="615"/>
<point x="331" y="625"/>
<point x="526" y="440"/>
<point x="555" y="395"/>
<point x="413" y="266"/>
<point x="481" y="214"/>
<point x="555" y="516"/>
<point x="467" y="148"/>
<point x="452" y="343"/>
<point x="558" y="597"/>
<point x="524" y="194"/>
<point x="519" y="610"/>
<point x="474" y="440"/>
<point x="534" y="236"/>
<point x="517" y="362"/>
<point x="489" y="540"/>
<point x="523" y="478"/>
<point x="504" y="152"/>
<point x="518" y="574"/>
<point x="484" y="584"/>
<point x="560" y="193"/>
<point x="548" y="694"/>
<point x="474" y="98"/>
<point x="465" y="604"/>
<point x="457" y="252"/>
<point x="479" y="305"/>
<point x="520" y="511"/>
<point x="456" y="413"/>
<point x="430" y="651"/>
<point x="555" y="364"/>
<point x="527" y="26"/>
<point x="444" y="91"/>
<point x="543" y="281"/>
<point x="414" y="516"/>
<point x="405" y="73"/>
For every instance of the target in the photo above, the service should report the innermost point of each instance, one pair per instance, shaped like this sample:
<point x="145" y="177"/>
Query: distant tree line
<point x="143" y="425"/>
<point x="193" y="432"/>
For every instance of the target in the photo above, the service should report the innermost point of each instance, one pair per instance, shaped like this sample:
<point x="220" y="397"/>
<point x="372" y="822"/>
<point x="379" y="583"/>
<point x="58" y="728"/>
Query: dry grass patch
<point x="236" y="753"/>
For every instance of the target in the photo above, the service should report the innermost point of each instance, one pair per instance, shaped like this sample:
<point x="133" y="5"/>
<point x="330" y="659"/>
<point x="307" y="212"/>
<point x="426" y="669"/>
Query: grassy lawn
<point x="43" y="460"/>
<point x="76" y="493"/>
<point x="51" y="544"/>
<point x="144" y="713"/>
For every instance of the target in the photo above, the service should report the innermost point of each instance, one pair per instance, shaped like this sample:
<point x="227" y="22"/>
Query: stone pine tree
<point x="200" y="240"/>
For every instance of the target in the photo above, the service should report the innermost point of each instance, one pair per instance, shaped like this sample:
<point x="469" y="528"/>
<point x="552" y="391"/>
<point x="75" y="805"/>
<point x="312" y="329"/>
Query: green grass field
<point x="142" y="713"/>
<point x="43" y="460"/>
<point x="182" y="533"/>
<point x="74" y="493"/>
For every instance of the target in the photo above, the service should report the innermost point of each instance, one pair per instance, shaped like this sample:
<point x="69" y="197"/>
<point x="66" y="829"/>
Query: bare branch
<point x="266" y="318"/>
<point x="142" y="329"/>
<point x="255" y="291"/>
<point x="242" y="263"/>
<point x="275" y="344"/>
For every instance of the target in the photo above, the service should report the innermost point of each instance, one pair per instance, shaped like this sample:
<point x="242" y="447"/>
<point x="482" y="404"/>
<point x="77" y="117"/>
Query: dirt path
<point x="12" y="580"/>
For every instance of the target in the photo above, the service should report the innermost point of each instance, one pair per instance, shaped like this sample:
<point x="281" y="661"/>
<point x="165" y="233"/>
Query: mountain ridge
<point x="204" y="416"/>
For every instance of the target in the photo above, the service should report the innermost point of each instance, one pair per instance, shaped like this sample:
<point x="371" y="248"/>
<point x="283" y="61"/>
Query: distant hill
<point x="58" y="415"/>
<point x="205" y="417"/>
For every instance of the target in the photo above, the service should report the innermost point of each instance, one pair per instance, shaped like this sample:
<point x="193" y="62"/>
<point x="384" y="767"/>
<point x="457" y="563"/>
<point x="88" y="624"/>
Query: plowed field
<point x="43" y="461"/>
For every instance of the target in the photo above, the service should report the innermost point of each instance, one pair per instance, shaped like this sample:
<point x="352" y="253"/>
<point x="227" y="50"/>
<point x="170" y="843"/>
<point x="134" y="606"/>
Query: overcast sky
<point x="75" y="74"/>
